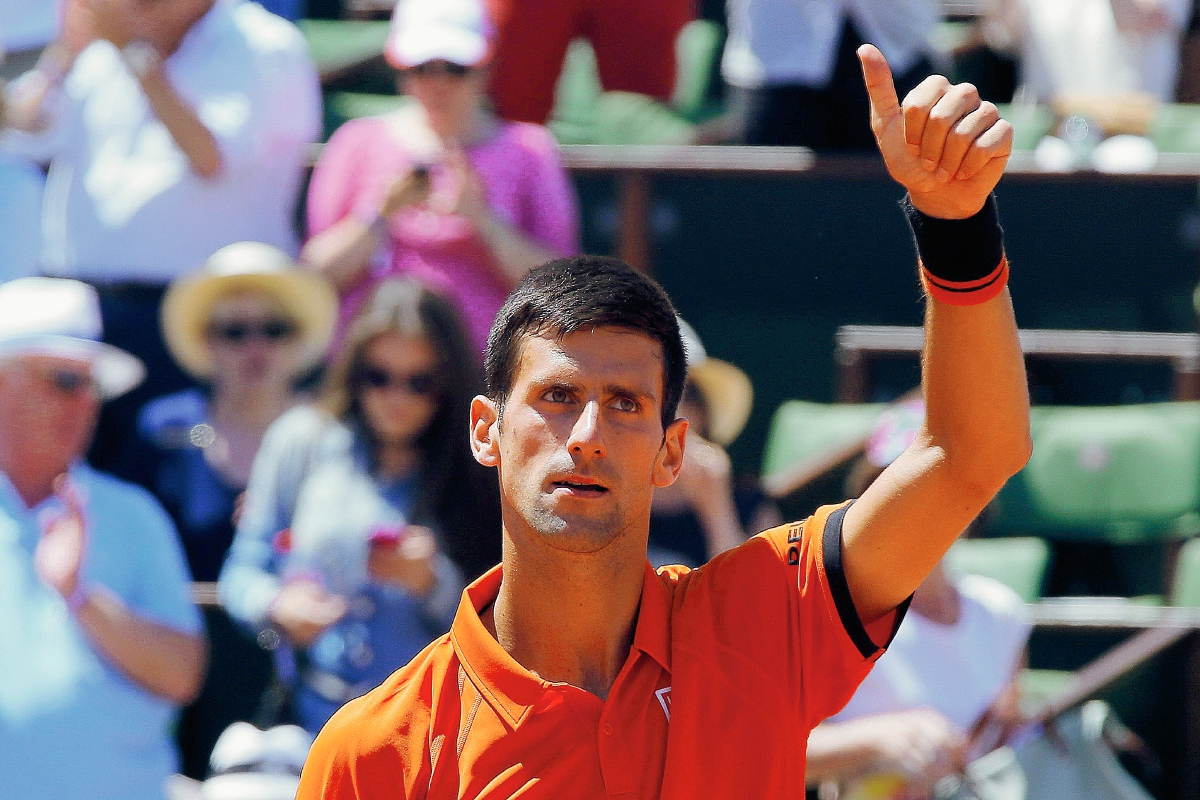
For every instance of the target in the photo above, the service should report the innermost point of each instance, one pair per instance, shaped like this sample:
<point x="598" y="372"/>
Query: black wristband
<point x="958" y="250"/>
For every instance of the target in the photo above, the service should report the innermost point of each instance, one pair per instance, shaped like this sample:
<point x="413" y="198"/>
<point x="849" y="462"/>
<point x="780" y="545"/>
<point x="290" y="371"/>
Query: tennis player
<point x="574" y="669"/>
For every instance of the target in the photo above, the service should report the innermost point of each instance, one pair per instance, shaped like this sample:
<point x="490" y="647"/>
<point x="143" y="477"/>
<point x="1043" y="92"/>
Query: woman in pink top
<point x="441" y="189"/>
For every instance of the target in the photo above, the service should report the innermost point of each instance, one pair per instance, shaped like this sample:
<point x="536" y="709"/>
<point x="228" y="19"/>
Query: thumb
<point x="877" y="75"/>
<point x="71" y="498"/>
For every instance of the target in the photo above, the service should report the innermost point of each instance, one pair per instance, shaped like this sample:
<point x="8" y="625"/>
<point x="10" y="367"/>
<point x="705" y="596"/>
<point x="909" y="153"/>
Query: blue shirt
<point x="173" y="429"/>
<point x="71" y="725"/>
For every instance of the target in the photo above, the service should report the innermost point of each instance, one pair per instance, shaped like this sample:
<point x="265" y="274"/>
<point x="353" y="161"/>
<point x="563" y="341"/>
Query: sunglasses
<point x="276" y="330"/>
<point x="71" y="382"/>
<point x="424" y="384"/>
<point x="434" y="68"/>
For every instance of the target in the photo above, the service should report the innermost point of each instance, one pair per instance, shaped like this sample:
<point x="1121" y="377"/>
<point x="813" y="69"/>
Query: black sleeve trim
<point x="958" y="250"/>
<point x="831" y="544"/>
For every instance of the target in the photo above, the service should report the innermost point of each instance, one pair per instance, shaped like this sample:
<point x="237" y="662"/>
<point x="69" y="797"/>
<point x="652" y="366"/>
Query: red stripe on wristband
<point x="967" y="293"/>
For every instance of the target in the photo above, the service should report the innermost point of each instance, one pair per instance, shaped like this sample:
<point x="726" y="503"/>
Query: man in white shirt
<point x="170" y="129"/>
<point x="1097" y="47"/>
<point x="793" y="69"/>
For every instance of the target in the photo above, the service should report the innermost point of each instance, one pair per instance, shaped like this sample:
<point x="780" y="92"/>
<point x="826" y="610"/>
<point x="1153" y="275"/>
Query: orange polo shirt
<point x="732" y="665"/>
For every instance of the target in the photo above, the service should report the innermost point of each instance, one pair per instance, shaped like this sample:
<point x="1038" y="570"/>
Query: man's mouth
<point x="577" y="487"/>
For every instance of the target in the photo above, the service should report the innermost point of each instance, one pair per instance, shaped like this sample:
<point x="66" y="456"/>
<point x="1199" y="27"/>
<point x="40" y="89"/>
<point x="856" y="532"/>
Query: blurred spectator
<point x="171" y="129"/>
<point x="26" y="27"/>
<point x="247" y="324"/>
<point x="945" y="691"/>
<point x="456" y="197"/>
<point x="100" y="641"/>
<point x="1106" y="47"/>
<point x="20" y="182"/>
<point x="21" y="186"/>
<point x="702" y="513"/>
<point x="634" y="41"/>
<point x="364" y="517"/>
<point x="796" y="79"/>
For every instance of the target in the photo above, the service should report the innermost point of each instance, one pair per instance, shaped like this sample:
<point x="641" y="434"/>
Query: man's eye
<point x="557" y="396"/>
<point x="626" y="404"/>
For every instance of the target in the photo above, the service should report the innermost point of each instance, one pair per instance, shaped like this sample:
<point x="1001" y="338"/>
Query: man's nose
<point x="586" y="436"/>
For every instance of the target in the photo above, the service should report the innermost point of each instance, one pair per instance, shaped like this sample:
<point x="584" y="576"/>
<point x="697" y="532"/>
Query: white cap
<point x="458" y="31"/>
<point x="251" y="764"/>
<point x="61" y="317"/>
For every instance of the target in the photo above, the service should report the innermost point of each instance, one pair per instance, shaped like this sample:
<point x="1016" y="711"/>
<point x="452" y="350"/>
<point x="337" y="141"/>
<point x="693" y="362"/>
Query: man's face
<point x="580" y="446"/>
<point x="48" y="410"/>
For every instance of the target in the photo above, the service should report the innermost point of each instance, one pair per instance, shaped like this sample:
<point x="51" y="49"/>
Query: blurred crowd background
<point x="249" y="258"/>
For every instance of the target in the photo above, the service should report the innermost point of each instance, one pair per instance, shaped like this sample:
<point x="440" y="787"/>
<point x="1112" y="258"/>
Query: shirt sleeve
<point x="350" y="761"/>
<point x="337" y="188"/>
<point x="782" y="601"/>
<point x="250" y="578"/>
<point x="551" y="214"/>
<point x="162" y="591"/>
<point x="272" y="121"/>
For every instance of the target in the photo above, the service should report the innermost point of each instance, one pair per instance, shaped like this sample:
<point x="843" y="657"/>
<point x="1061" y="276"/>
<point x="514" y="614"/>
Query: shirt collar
<point x="510" y="688"/>
<point x="653" y="633"/>
<point x="506" y="685"/>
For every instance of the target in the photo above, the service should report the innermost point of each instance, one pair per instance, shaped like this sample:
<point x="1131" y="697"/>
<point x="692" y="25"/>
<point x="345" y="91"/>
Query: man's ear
<point x="670" y="456"/>
<point x="485" y="431"/>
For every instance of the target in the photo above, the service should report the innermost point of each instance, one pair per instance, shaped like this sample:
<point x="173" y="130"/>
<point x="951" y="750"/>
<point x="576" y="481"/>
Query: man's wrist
<point x="80" y="596"/>
<point x="962" y="260"/>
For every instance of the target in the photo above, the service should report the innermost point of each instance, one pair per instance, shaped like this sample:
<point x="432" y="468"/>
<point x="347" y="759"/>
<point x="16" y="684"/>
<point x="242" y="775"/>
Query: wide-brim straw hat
<point x="727" y="391"/>
<point x="60" y="317"/>
<point x="246" y="267"/>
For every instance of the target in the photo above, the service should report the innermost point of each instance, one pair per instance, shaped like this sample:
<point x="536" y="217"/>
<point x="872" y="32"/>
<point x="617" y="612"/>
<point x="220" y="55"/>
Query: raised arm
<point x="157" y="657"/>
<point x="119" y="22"/>
<point x="948" y="149"/>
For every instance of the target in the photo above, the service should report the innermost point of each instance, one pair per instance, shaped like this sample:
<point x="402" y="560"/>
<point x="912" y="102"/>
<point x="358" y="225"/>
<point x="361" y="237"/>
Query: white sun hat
<point x="253" y="267"/>
<point x="252" y="764"/>
<point x="458" y="31"/>
<point x="727" y="391"/>
<point x="61" y="317"/>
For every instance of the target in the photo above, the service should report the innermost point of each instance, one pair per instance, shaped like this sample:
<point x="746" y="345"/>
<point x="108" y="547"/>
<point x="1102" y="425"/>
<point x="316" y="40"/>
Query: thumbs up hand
<point x="947" y="147"/>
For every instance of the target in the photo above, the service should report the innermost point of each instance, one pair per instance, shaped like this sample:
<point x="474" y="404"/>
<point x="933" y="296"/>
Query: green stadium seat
<point x="338" y="47"/>
<point x="1019" y="562"/>
<point x="1030" y="123"/>
<point x="1185" y="588"/>
<point x="696" y="51"/>
<point x="801" y="431"/>
<point x="1176" y="128"/>
<point x="585" y="114"/>
<point x="1119" y="474"/>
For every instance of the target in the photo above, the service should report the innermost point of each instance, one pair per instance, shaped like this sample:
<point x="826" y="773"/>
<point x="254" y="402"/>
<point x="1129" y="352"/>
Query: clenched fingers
<point x="917" y="105"/>
<point x="994" y="143"/>
<point x="962" y="136"/>
<point x="952" y="107"/>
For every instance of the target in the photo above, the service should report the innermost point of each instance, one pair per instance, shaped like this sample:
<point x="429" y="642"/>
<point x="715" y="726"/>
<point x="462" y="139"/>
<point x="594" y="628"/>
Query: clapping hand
<point x="59" y="554"/>
<point x="947" y="147"/>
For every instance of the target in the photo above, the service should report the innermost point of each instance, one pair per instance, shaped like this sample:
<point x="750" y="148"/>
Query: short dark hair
<point x="584" y="292"/>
